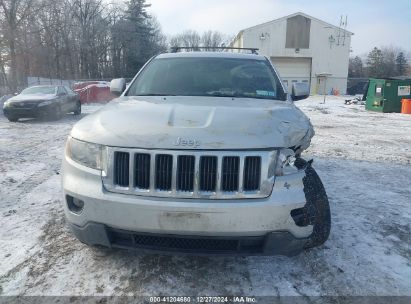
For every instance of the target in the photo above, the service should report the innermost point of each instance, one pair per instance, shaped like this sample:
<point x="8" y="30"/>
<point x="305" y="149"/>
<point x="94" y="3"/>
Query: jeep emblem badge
<point x="187" y="142"/>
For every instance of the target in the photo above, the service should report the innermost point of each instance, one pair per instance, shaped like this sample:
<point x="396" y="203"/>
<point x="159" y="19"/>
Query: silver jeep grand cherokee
<point x="200" y="154"/>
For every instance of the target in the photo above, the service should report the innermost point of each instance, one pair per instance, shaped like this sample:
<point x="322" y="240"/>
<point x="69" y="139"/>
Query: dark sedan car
<point x="48" y="101"/>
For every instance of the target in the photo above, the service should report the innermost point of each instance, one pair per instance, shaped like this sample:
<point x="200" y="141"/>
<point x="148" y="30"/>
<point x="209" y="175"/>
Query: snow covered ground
<point x="362" y="157"/>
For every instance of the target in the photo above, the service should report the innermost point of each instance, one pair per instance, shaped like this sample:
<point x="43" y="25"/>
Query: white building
<point x="302" y="48"/>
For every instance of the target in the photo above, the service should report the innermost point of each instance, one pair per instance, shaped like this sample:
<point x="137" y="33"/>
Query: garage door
<point x="293" y="70"/>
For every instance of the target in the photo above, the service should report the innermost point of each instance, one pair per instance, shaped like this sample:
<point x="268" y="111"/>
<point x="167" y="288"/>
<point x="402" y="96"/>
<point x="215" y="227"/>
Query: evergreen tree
<point x="375" y="61"/>
<point x="388" y="67"/>
<point x="401" y="64"/>
<point x="142" y="38"/>
<point x="355" y="68"/>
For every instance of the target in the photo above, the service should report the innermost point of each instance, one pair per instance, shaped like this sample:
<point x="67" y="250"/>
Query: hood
<point x="196" y="123"/>
<point x="32" y="97"/>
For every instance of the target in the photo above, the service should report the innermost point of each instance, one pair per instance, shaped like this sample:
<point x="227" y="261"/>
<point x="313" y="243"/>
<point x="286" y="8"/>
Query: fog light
<point x="74" y="204"/>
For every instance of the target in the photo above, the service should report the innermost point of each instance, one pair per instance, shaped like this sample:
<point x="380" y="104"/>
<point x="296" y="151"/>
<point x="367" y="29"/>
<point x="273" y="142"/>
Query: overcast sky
<point x="373" y="22"/>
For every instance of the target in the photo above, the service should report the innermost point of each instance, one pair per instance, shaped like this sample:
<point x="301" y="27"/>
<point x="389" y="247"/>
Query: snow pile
<point x="351" y="132"/>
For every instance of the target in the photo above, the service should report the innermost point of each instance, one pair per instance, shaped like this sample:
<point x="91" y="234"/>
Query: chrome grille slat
<point x="152" y="169"/>
<point x="174" y="174"/>
<point x="190" y="174"/>
<point x="196" y="175"/>
<point x="219" y="178"/>
<point x="131" y="171"/>
<point x="241" y="174"/>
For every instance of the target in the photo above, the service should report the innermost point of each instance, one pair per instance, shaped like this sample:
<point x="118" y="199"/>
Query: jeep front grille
<point x="190" y="174"/>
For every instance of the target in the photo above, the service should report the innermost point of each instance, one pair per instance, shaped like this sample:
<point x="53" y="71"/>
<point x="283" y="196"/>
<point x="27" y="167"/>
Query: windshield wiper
<point x="155" y="94"/>
<point x="225" y="94"/>
<point x="238" y="94"/>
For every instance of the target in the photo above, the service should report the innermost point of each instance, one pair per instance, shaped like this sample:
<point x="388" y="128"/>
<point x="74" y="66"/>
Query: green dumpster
<point x="384" y="95"/>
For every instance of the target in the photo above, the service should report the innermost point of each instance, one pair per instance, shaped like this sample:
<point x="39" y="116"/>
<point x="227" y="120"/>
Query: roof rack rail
<point x="175" y="49"/>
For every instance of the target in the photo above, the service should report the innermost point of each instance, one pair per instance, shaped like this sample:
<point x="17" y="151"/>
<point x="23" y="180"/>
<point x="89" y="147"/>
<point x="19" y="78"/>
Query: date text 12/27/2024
<point x="202" y="299"/>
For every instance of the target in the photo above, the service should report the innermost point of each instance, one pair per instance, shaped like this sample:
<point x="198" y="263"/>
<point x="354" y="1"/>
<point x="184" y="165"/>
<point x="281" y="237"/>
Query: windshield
<point x="224" y="77"/>
<point x="39" y="90"/>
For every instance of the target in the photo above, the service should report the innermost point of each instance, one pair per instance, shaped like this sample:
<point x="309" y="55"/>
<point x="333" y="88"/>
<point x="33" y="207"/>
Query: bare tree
<point x="389" y="55"/>
<point x="188" y="38"/>
<point x="14" y="12"/>
<point x="74" y="39"/>
<point x="210" y="40"/>
<point x="86" y="14"/>
<point x="3" y="60"/>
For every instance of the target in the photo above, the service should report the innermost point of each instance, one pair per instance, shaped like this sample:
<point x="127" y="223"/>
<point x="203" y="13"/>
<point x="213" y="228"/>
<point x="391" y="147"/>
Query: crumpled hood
<point x="32" y="97"/>
<point x="196" y="123"/>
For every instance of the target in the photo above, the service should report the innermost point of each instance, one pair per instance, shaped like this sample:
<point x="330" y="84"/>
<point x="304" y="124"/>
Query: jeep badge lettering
<point x="186" y="142"/>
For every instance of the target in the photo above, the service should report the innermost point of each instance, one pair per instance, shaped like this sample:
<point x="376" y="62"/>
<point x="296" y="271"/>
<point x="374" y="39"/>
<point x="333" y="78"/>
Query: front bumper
<point x="273" y="243"/>
<point x="267" y="222"/>
<point x="34" y="112"/>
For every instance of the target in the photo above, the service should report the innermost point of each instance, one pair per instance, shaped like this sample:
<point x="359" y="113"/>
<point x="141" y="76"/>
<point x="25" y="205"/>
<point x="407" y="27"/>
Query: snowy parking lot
<point x="363" y="158"/>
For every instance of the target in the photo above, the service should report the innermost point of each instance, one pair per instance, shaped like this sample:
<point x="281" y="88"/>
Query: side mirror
<point x="300" y="90"/>
<point x="16" y="93"/>
<point x="118" y="86"/>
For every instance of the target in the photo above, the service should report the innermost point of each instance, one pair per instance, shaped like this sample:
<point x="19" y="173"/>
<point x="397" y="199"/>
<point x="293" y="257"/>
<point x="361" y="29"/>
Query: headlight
<point x="86" y="154"/>
<point x="6" y="104"/>
<point x="285" y="162"/>
<point x="45" y="103"/>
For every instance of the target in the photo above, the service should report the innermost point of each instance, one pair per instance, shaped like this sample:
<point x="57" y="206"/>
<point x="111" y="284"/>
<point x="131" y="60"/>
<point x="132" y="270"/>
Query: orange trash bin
<point x="406" y="106"/>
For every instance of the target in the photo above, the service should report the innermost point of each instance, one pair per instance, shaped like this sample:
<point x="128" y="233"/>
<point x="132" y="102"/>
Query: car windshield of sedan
<point x="39" y="90"/>
<point x="222" y="77"/>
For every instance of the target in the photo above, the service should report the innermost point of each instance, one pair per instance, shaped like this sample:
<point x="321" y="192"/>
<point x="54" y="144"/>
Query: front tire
<point x="78" y="109"/>
<point x="13" y="119"/>
<point x="317" y="210"/>
<point x="58" y="114"/>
